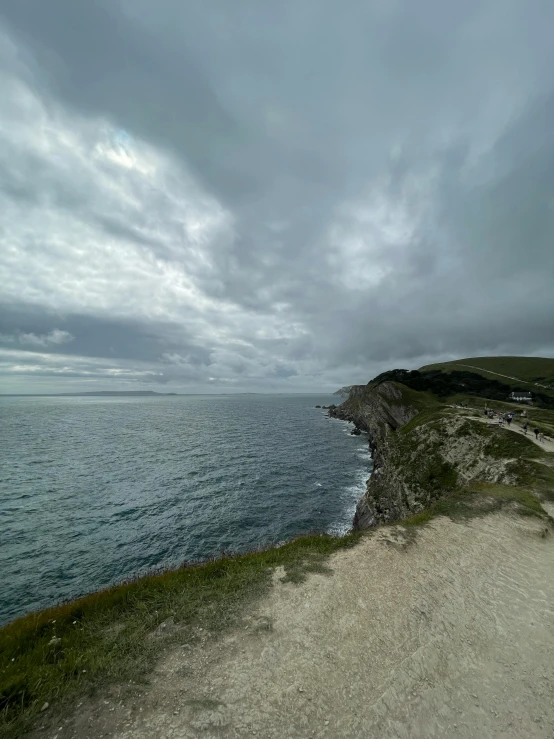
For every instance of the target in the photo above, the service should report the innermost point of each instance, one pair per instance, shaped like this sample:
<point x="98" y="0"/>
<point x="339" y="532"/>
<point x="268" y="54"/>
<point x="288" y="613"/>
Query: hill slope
<point x="521" y="372"/>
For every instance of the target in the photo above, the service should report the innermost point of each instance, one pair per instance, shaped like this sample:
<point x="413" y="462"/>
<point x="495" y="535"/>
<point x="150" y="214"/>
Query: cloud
<point x="276" y="196"/>
<point x="56" y="337"/>
<point x="18" y="362"/>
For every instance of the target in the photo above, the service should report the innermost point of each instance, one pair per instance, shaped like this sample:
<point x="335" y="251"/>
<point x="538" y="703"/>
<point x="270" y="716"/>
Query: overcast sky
<point x="271" y="196"/>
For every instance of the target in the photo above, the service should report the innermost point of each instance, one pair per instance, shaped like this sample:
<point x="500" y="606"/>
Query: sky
<point x="292" y="196"/>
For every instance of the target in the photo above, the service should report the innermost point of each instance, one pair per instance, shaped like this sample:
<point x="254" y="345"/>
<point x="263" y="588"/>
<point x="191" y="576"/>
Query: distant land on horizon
<point x="134" y="393"/>
<point x="93" y="392"/>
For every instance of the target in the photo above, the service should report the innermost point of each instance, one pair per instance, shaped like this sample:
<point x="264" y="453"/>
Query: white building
<point x="521" y="396"/>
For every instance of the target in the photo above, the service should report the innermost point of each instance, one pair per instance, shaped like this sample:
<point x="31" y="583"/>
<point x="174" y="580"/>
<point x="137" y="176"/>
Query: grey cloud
<point x="96" y="337"/>
<point x="377" y="182"/>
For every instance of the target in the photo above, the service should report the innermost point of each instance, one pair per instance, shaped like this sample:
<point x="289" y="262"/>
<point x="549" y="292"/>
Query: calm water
<point x="94" y="490"/>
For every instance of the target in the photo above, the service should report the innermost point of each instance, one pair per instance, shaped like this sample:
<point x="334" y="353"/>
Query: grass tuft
<point x="418" y="519"/>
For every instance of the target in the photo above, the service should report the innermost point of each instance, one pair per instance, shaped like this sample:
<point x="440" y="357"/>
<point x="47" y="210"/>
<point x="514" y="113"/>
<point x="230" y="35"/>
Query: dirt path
<point x="498" y="374"/>
<point x="547" y="445"/>
<point x="448" y="632"/>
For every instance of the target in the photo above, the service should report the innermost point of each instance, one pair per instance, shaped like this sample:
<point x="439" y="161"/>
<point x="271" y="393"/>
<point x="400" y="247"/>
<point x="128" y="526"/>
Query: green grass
<point x="426" y="417"/>
<point x="525" y="369"/>
<point x="474" y="401"/>
<point x="106" y="638"/>
<point x="505" y="444"/>
<point x="540" y="478"/>
<point x="419" y="519"/>
<point x="527" y="501"/>
<point x="479" y="499"/>
<point x="423" y="401"/>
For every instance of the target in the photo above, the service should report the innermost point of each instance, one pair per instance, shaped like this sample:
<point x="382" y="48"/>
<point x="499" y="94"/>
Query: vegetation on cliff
<point x="465" y="382"/>
<point x="430" y="456"/>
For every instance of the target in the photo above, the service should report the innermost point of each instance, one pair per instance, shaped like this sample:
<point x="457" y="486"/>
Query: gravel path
<point x="447" y="631"/>
<point x="547" y="444"/>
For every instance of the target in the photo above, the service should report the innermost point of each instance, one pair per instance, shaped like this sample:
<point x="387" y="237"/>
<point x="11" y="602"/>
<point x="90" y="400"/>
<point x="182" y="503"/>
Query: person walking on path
<point x="536" y="433"/>
<point x="525" y="429"/>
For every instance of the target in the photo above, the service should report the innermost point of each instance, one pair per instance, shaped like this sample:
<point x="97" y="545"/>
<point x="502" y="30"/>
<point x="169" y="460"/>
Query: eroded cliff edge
<point x="380" y="411"/>
<point x="422" y="450"/>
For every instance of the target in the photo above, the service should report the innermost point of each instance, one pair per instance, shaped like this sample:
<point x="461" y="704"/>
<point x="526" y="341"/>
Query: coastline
<point x="114" y="636"/>
<point x="364" y="477"/>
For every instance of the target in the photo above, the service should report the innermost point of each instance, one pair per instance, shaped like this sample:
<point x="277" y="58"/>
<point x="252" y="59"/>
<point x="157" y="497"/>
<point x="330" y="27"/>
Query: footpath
<point x="546" y="444"/>
<point x="443" y="631"/>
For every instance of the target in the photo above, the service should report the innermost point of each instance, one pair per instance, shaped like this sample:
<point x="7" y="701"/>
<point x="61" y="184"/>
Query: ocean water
<point x="96" y="490"/>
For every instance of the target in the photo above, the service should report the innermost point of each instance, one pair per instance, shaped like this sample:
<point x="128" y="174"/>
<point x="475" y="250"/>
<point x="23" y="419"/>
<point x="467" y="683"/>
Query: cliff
<point x="343" y="392"/>
<point x="423" y="450"/>
<point x="376" y="408"/>
<point x="380" y="410"/>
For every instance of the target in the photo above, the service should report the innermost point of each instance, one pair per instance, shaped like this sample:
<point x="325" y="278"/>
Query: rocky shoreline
<point x="378" y="411"/>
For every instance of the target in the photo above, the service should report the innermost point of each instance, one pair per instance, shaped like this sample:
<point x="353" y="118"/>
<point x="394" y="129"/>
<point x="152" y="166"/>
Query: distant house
<point x="521" y="396"/>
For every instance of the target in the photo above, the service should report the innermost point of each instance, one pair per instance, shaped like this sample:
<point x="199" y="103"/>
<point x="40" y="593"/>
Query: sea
<point x="97" y="490"/>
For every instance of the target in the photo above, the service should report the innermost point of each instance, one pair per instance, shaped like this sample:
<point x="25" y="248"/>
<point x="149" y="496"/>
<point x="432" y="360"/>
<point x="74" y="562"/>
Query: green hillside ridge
<point x="527" y="373"/>
<point x="461" y="380"/>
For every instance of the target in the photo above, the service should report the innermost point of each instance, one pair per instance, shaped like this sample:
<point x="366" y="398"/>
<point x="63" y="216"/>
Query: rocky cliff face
<point x="376" y="409"/>
<point x="379" y="411"/>
<point x="417" y="456"/>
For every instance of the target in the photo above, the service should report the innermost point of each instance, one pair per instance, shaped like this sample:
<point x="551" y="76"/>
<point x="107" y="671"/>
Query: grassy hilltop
<point x="526" y="373"/>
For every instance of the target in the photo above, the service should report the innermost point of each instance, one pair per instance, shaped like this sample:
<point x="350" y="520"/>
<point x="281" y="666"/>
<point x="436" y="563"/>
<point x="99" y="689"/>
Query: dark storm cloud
<point x="291" y="193"/>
